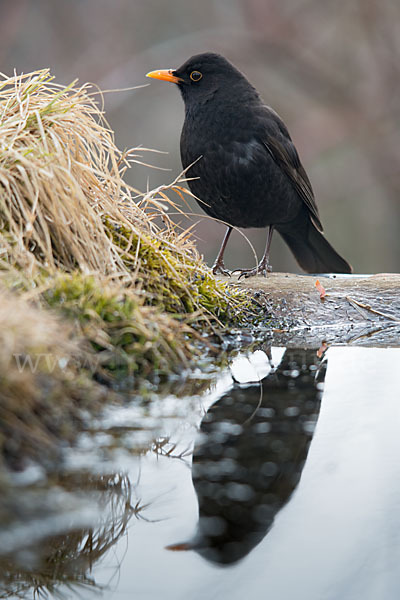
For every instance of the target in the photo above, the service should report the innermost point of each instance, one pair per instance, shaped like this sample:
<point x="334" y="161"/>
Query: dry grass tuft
<point x="64" y="203"/>
<point x="52" y="152"/>
<point x="61" y="179"/>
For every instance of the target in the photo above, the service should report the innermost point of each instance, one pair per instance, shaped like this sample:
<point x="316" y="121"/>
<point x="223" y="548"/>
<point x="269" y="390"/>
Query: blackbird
<point x="243" y="166"/>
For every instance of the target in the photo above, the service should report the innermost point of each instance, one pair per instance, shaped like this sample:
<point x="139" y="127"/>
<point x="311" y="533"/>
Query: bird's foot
<point x="219" y="268"/>
<point x="262" y="269"/>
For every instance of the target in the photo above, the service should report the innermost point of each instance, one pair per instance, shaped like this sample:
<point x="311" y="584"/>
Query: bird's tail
<point x="312" y="250"/>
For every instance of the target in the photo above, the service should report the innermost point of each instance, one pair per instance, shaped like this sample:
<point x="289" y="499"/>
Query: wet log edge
<point x="308" y="310"/>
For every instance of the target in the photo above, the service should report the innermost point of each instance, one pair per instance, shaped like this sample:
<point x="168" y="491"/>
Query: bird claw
<point x="247" y="273"/>
<point x="219" y="268"/>
<point x="261" y="269"/>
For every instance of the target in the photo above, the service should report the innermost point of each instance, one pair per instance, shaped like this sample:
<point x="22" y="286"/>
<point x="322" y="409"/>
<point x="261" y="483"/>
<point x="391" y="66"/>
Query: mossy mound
<point x="96" y="267"/>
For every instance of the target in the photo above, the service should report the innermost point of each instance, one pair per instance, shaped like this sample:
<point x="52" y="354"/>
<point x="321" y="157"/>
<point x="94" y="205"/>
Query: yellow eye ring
<point x="195" y="75"/>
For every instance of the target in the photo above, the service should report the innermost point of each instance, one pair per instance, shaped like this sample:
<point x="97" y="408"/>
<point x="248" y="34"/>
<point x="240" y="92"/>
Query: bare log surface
<point x="309" y="310"/>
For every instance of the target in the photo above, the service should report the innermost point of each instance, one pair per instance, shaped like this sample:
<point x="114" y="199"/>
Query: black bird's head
<point x="202" y="75"/>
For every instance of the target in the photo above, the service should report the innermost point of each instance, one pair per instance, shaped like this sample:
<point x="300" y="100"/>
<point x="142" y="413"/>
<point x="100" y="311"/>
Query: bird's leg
<point x="218" y="266"/>
<point x="263" y="266"/>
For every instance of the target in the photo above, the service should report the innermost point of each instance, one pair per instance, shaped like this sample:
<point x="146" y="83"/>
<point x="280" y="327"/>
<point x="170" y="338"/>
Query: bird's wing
<point x="278" y="142"/>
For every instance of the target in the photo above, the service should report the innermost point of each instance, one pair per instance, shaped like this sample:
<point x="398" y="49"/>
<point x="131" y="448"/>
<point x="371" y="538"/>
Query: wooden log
<point x="309" y="310"/>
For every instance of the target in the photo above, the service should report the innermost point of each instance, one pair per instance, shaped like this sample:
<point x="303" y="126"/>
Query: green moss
<point x="78" y="296"/>
<point x="175" y="281"/>
<point x="127" y="337"/>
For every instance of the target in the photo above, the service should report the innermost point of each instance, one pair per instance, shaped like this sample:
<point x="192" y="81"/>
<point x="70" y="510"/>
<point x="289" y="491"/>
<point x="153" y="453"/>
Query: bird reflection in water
<point x="253" y="445"/>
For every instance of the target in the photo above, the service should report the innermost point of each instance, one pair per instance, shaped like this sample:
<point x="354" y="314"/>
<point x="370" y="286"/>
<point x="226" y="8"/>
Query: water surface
<point x="294" y="490"/>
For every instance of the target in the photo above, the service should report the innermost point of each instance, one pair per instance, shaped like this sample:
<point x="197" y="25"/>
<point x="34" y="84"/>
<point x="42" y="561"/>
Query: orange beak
<point x="164" y="75"/>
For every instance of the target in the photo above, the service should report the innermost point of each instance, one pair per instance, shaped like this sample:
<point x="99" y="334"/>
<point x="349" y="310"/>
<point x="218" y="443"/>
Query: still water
<point x="279" y="478"/>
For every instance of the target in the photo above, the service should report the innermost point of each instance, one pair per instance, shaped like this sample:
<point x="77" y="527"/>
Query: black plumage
<point x="243" y="166"/>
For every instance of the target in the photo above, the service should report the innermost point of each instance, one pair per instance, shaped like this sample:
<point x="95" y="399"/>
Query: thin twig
<point x="356" y="303"/>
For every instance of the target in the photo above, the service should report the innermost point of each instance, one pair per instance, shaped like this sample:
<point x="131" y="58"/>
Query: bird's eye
<point x="195" y="75"/>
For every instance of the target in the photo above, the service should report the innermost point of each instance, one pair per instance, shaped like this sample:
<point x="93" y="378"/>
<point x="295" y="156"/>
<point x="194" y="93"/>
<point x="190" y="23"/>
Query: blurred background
<point x="330" y="69"/>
